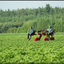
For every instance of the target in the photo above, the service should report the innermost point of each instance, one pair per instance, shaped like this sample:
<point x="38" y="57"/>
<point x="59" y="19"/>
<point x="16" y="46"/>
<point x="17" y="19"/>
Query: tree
<point x="47" y="8"/>
<point x="5" y="27"/>
<point x="1" y="13"/>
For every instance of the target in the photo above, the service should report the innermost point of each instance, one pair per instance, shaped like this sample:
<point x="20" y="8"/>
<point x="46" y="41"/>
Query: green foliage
<point x="5" y="27"/>
<point x="15" y="48"/>
<point x="39" y="18"/>
<point x="25" y="28"/>
<point x="12" y="30"/>
<point x="47" y="8"/>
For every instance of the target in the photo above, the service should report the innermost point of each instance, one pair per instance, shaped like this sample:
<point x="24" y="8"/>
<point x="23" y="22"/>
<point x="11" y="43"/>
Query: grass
<point x="15" y="48"/>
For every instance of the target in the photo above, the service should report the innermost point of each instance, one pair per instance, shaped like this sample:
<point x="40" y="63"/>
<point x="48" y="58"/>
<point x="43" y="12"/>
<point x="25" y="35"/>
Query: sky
<point x="5" y="5"/>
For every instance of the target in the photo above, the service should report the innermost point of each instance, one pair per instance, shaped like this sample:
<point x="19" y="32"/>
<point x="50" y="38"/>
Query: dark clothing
<point x="51" y="34"/>
<point x="31" y="32"/>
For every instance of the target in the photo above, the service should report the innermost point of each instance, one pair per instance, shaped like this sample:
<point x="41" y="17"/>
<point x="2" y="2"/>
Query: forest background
<point x="20" y="20"/>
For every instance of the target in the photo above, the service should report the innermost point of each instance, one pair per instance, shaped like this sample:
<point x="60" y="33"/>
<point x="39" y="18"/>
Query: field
<point x="15" y="48"/>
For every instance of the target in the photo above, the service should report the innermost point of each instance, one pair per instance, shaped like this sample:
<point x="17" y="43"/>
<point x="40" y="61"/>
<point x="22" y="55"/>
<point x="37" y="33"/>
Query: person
<point x="31" y="32"/>
<point x="50" y="31"/>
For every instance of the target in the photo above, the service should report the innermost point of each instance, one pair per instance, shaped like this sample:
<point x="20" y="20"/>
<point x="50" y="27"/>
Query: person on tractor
<point x="31" y="32"/>
<point x="50" y="31"/>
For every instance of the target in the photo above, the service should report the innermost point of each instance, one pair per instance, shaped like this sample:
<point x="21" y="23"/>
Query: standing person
<point x="31" y="32"/>
<point x="50" y="30"/>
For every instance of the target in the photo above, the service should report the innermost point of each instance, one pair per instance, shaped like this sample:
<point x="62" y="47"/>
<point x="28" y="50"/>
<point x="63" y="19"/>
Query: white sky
<point x="5" y="5"/>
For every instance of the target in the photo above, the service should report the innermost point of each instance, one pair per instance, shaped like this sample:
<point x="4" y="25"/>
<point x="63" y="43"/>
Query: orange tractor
<point x="43" y="34"/>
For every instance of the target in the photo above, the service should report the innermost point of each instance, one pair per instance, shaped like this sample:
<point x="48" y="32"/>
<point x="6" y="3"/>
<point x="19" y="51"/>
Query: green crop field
<point x="15" y="48"/>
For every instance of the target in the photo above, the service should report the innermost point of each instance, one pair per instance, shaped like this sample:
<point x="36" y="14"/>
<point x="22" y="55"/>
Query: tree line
<point x="19" y="21"/>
